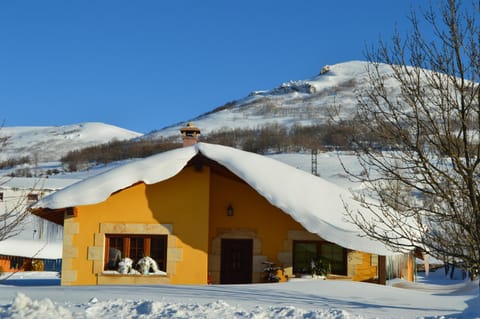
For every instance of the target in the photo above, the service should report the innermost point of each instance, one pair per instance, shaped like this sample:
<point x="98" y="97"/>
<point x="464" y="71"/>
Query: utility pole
<point x="314" y="162"/>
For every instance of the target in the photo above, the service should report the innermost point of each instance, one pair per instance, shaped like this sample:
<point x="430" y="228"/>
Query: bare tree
<point x="422" y="105"/>
<point x="13" y="214"/>
<point x="13" y="210"/>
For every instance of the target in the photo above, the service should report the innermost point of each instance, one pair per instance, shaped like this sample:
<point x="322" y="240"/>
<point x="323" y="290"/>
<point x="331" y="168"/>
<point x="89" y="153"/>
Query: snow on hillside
<point x="49" y="143"/>
<point x="328" y="165"/>
<point x="302" y="102"/>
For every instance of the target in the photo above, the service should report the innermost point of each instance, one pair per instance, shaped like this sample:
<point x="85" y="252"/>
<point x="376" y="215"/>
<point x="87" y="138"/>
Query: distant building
<point x="38" y="246"/>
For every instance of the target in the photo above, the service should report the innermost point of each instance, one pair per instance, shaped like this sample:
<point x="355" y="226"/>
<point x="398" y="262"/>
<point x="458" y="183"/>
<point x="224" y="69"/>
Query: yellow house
<point x="207" y="214"/>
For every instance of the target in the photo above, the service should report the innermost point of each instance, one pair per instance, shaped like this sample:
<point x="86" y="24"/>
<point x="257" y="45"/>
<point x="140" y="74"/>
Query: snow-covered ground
<point x="35" y="295"/>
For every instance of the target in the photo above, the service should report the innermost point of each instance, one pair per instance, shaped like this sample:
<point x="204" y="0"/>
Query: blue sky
<point x="144" y="65"/>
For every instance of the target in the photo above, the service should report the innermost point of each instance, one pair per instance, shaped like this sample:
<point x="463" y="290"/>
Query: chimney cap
<point x="190" y="129"/>
<point x="190" y="134"/>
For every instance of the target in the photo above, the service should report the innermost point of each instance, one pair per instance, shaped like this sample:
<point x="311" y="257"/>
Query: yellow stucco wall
<point x="182" y="202"/>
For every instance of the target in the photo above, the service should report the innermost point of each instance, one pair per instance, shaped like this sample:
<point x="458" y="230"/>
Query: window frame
<point x="32" y="197"/>
<point x="147" y="248"/>
<point x="319" y="244"/>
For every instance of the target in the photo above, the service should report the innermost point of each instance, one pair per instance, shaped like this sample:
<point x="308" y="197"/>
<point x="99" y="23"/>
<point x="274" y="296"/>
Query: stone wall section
<point x="96" y="252"/>
<point x="69" y="251"/>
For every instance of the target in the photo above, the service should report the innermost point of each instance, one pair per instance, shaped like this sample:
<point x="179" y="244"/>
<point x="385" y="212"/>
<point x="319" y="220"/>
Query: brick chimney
<point x="190" y="134"/>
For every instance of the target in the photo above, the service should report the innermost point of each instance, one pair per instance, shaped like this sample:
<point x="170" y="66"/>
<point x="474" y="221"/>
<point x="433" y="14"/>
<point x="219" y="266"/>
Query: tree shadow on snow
<point x="274" y="297"/>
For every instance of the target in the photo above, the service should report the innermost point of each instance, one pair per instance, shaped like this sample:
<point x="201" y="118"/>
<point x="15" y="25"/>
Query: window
<point x="1" y="196"/>
<point x="135" y="247"/>
<point x="32" y="197"/>
<point x="306" y="253"/>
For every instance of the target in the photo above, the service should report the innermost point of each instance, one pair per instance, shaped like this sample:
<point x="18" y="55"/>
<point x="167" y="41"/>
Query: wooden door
<point x="236" y="261"/>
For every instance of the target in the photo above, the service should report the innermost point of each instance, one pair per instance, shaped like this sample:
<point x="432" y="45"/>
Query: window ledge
<point x="117" y="274"/>
<point x="116" y="278"/>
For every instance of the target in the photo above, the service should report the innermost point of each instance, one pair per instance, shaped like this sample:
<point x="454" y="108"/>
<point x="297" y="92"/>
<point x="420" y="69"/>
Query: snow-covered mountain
<point x="50" y="143"/>
<point x="302" y="102"/>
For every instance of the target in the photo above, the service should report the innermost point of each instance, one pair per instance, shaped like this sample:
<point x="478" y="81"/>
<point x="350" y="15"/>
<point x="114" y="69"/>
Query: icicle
<point x="47" y="230"/>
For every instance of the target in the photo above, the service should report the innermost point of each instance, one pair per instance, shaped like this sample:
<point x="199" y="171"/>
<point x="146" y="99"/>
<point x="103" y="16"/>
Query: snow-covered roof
<point x="31" y="248"/>
<point x="315" y="203"/>
<point x="35" y="183"/>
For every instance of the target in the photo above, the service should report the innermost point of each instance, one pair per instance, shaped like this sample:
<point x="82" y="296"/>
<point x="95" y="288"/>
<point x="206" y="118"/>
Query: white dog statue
<point x="145" y="264"/>
<point x="125" y="265"/>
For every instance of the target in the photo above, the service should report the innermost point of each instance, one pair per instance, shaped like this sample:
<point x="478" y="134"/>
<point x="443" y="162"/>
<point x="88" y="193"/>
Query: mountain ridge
<point x="296" y="102"/>
<point x="49" y="143"/>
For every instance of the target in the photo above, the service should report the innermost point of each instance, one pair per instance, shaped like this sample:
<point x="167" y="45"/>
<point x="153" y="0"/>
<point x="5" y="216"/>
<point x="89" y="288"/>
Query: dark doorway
<point x="236" y="261"/>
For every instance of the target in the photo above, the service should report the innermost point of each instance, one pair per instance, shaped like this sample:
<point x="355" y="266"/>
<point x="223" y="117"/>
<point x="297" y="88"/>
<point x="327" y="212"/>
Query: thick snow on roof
<point x="312" y="201"/>
<point x="98" y="188"/>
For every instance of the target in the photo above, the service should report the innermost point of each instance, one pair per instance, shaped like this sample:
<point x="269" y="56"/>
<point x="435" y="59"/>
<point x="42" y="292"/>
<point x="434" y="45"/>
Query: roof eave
<point x="53" y="215"/>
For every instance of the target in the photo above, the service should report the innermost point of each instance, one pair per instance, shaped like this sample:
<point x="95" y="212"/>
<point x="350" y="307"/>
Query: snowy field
<point x="38" y="295"/>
